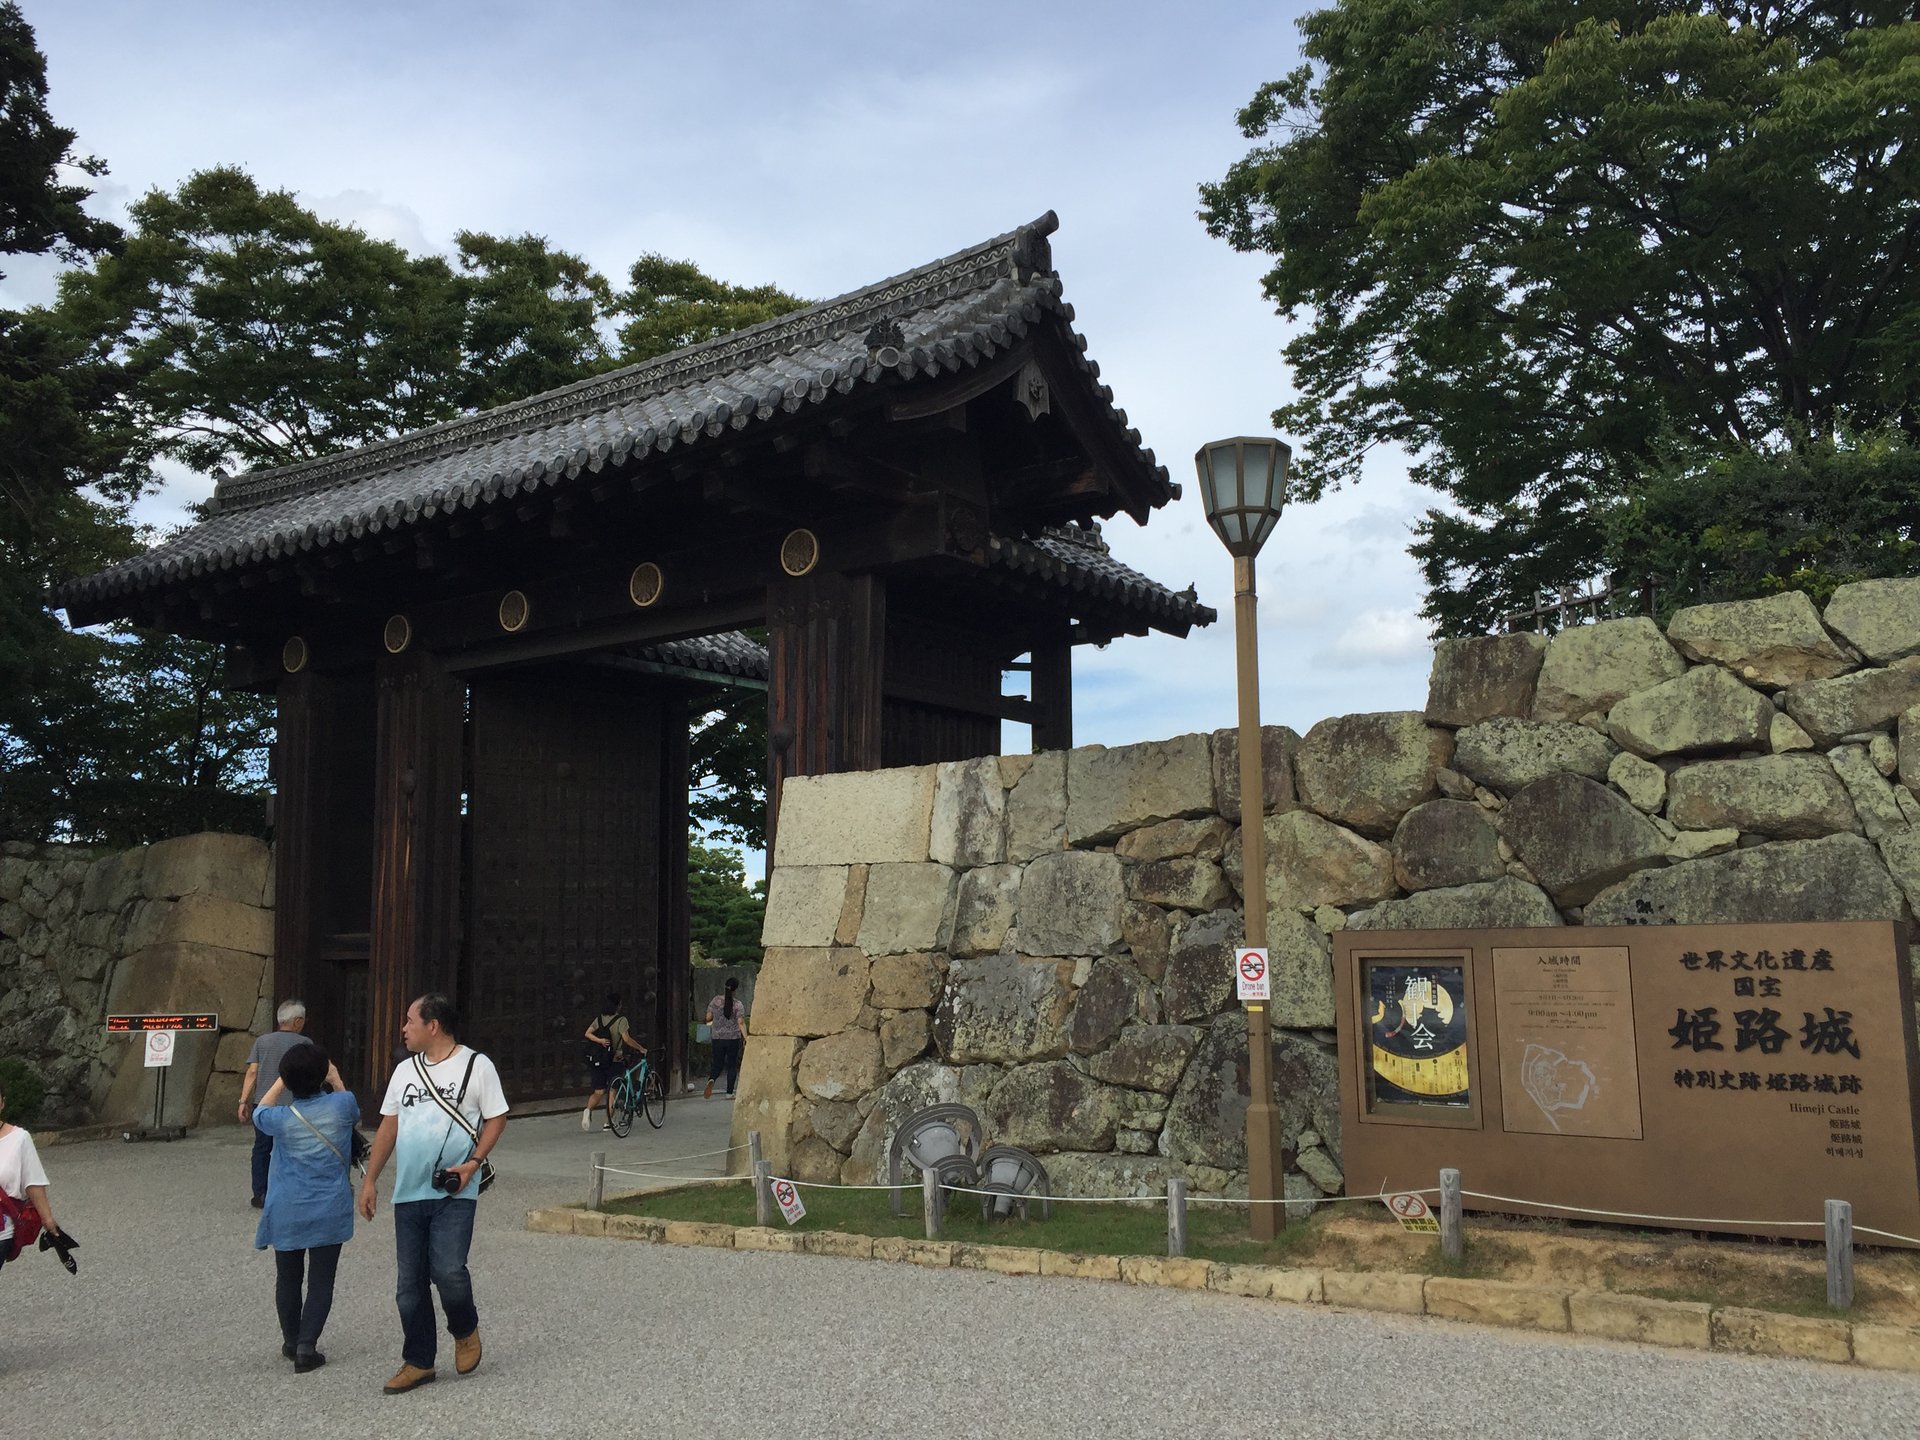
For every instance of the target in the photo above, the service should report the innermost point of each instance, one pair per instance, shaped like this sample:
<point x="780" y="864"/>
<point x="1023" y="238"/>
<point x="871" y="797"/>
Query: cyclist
<point x="607" y="1037"/>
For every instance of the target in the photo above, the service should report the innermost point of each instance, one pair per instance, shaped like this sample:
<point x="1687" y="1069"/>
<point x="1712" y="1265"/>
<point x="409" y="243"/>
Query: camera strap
<point x="455" y="1116"/>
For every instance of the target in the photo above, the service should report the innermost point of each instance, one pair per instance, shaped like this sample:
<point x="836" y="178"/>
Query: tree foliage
<point x="670" y="304"/>
<point x="727" y="914"/>
<point x="1557" y="250"/>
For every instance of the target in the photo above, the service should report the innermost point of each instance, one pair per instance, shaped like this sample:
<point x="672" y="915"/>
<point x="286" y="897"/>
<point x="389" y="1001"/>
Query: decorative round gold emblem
<point x="293" y="655"/>
<point x="513" y="611"/>
<point x="645" y="584"/>
<point x="799" y="552"/>
<point x="398" y="634"/>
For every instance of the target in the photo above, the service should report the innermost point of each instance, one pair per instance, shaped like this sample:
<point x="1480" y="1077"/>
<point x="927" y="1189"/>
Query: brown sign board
<point x="1699" y="1077"/>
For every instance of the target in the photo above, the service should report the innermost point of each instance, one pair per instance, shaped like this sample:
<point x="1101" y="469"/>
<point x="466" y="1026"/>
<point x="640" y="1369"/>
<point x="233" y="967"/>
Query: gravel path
<point x="169" y="1330"/>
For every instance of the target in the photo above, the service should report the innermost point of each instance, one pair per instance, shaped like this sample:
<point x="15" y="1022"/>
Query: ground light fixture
<point x="1243" y="484"/>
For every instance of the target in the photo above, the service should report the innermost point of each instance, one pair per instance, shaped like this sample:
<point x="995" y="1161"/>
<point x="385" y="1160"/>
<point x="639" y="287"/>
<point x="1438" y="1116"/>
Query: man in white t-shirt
<point x="433" y="1222"/>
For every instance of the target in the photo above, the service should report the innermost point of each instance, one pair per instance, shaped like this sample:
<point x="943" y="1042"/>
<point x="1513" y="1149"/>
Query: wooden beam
<point x="942" y="395"/>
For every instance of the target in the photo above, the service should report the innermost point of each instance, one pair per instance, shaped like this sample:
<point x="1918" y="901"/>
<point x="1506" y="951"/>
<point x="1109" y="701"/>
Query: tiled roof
<point x="938" y="319"/>
<point x="726" y="653"/>
<point x="1076" y="559"/>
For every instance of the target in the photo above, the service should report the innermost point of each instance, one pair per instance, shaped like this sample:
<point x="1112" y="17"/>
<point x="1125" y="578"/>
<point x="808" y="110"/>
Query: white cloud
<point x="1378" y="637"/>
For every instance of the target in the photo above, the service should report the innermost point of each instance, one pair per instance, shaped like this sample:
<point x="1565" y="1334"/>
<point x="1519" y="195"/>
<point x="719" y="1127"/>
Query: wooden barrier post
<point x="1176" y="1215"/>
<point x="754" y="1156"/>
<point x="930" y="1198"/>
<point x="1840" y="1254"/>
<point x="597" y="1180"/>
<point x="1453" y="1242"/>
<point x="762" y="1193"/>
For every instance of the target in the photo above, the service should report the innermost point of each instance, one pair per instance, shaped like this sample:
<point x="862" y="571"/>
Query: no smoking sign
<point x="788" y="1199"/>
<point x="1250" y="974"/>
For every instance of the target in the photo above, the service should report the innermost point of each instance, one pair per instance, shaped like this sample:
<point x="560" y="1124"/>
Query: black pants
<point x="301" y="1324"/>
<point x="726" y="1061"/>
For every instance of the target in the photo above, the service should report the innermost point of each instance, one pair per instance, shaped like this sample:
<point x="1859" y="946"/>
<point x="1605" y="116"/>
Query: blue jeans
<point x="262" y="1157"/>
<point x="431" y="1239"/>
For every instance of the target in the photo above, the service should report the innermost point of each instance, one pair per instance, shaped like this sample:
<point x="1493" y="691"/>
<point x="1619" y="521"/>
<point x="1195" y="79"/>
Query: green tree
<point x="1555" y="250"/>
<point x="727" y="914"/>
<point x="670" y="304"/>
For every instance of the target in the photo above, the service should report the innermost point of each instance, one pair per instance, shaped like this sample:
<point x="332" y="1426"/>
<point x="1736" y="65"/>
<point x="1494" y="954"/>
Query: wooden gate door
<point x="563" y="885"/>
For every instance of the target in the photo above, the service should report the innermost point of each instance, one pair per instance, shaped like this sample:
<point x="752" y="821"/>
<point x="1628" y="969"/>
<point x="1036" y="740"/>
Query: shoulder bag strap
<point x="316" y="1130"/>
<point x="459" y="1119"/>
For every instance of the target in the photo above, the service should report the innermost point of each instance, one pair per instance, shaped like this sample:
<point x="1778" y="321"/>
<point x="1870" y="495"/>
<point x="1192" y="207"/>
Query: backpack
<point x="597" y="1055"/>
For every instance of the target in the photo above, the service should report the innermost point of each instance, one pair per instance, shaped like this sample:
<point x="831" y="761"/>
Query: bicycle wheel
<point x="622" y="1107"/>
<point x="653" y="1100"/>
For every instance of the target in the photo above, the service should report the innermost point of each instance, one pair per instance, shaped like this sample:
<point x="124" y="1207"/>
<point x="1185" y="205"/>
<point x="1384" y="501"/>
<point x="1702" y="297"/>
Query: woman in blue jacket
<point x="308" y="1215"/>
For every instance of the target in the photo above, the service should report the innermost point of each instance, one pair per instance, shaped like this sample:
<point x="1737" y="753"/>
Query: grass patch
<point x="1482" y="1257"/>
<point x="1214" y="1232"/>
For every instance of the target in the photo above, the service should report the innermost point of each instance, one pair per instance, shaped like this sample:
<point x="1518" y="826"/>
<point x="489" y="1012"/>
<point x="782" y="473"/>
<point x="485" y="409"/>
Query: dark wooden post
<point x="826" y="652"/>
<point x="675" y="994"/>
<point x="416" y="842"/>
<point x="299" y="827"/>
<point x="1053" y="695"/>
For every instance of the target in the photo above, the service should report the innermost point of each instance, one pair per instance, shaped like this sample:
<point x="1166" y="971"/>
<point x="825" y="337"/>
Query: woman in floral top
<point x="729" y="1021"/>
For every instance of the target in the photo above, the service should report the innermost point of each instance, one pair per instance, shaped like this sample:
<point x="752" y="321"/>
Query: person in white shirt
<point x="23" y="1180"/>
<point x="435" y="1192"/>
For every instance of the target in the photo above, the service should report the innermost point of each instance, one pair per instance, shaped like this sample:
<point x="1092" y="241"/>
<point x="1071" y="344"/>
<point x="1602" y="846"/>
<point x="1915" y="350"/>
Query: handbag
<point x="703" y="1034"/>
<point x="485" y="1177"/>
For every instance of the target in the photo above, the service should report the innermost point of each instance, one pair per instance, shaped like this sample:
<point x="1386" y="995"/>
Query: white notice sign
<point x="160" y="1047"/>
<point x="1250" y="974"/>
<point x="788" y="1199"/>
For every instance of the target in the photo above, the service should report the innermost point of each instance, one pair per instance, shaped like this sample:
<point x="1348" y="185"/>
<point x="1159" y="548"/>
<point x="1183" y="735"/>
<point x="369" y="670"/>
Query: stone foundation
<point x="1046" y="937"/>
<point x="184" y="925"/>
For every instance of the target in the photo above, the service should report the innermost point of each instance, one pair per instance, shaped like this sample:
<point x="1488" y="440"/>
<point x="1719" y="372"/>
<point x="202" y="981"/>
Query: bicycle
<point x="638" y="1088"/>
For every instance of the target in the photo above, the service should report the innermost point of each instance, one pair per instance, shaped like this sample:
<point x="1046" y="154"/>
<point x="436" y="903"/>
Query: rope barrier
<point x="662" y="1175"/>
<point x="697" y="1155"/>
<point x="1634" y="1215"/>
<point x="1886" y="1234"/>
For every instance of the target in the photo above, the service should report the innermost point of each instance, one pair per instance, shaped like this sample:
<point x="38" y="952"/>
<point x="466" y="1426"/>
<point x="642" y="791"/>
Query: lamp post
<point x="1243" y="485"/>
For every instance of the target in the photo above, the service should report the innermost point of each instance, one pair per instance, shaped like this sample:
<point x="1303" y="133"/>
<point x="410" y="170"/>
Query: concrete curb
<point x="1599" y="1314"/>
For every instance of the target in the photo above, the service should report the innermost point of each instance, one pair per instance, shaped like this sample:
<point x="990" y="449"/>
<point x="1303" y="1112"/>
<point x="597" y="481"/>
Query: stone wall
<point x="1046" y="937"/>
<point x="184" y="925"/>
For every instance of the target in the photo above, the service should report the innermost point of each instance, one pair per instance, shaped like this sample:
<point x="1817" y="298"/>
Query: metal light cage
<point x="1243" y="484"/>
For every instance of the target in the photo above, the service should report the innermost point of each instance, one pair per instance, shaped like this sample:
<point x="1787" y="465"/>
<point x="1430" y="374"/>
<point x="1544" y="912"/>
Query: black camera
<point x="447" y="1180"/>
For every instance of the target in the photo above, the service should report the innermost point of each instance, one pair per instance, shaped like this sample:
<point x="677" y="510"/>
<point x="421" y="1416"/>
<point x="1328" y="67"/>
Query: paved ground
<point x="169" y="1330"/>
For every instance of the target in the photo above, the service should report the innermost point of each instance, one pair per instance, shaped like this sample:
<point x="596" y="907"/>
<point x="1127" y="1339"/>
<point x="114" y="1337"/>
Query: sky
<point x="819" y="148"/>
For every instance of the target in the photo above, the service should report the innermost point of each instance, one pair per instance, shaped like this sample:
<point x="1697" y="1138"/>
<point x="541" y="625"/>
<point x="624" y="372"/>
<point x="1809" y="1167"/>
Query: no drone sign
<point x="1250" y="973"/>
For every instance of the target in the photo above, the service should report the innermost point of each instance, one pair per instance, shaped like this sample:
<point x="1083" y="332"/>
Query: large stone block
<point x="1766" y="1332"/>
<point x="1375" y="1290"/>
<point x="905" y="982"/>
<point x="1366" y="771"/>
<point x="1147" y="1057"/>
<point x="1498" y="1302"/>
<point x="1185" y="882"/>
<point x="908" y="907"/>
<point x="984" y="909"/>
<point x="1147" y="932"/>
<point x="1110" y="792"/>
<point x="222" y="867"/>
<point x="1444" y="843"/>
<point x="1901" y="851"/>
<point x="1829" y="710"/>
<point x="904" y="1038"/>
<point x="220" y="1105"/>
<point x="1037" y="808"/>
<point x="200" y="920"/>
<point x="1053" y="1107"/>
<point x="767" y="1099"/>
<point x="1500" y="904"/>
<point x="1509" y="755"/>
<point x="1578" y="837"/>
<point x="1205" y="838"/>
<point x="1651" y="1322"/>
<point x="1873" y="798"/>
<point x="1908" y="754"/>
<point x="1775" y="642"/>
<point x="1705" y="710"/>
<point x="129" y="1095"/>
<point x="1278" y="745"/>
<point x="1313" y="862"/>
<point x="1207" y="1119"/>
<point x="1879" y="618"/>
<point x="815" y="990"/>
<point x="803" y="905"/>
<point x="1839" y="877"/>
<point x="1790" y="797"/>
<point x="1109" y="999"/>
<point x="1641" y="781"/>
<point x="1300" y="967"/>
<point x="232" y="1051"/>
<point x="1594" y="667"/>
<point x="969" y="813"/>
<point x="173" y="978"/>
<point x="1477" y="678"/>
<point x="1004" y="1009"/>
<point x="857" y="817"/>
<point x="841" y="1067"/>
<point x="1198" y="980"/>
<point x="1070" y="904"/>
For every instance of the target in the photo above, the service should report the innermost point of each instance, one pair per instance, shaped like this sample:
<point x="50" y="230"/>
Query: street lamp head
<point x="1243" y="484"/>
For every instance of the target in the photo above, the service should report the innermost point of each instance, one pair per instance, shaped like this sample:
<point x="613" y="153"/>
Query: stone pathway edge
<point x="1593" y="1313"/>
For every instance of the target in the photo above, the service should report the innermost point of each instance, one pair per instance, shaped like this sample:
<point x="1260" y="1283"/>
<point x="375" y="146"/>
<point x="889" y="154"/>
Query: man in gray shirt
<point x="263" y="1068"/>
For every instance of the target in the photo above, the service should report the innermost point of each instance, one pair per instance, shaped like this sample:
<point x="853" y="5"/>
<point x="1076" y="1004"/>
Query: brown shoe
<point x="466" y="1352"/>
<point x="408" y="1377"/>
<point x="709" y="1094"/>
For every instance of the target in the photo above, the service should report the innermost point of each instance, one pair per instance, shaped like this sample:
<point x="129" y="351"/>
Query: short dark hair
<point x="303" y="1070"/>
<point x="613" y="1000"/>
<point x="436" y="1008"/>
